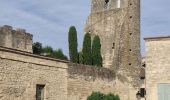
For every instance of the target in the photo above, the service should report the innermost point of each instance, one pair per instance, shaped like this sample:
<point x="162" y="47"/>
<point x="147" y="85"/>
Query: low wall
<point x="83" y="80"/>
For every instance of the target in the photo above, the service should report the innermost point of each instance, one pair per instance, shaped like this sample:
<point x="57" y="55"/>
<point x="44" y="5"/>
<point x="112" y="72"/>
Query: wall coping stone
<point x="6" y="49"/>
<point x="157" y="38"/>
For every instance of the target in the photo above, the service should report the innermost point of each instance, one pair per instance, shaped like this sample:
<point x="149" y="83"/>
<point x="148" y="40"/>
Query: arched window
<point x="118" y="3"/>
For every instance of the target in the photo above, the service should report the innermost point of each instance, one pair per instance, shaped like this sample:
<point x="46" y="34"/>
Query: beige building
<point x="157" y="68"/>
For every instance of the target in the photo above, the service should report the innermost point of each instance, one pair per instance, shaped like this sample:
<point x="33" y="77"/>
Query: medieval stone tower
<point x="17" y="39"/>
<point x="117" y="22"/>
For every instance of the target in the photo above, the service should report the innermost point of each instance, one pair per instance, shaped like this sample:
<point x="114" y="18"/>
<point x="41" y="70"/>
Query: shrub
<point x="101" y="96"/>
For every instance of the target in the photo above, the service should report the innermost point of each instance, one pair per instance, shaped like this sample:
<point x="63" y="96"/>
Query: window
<point x="142" y="77"/>
<point x="142" y="92"/>
<point x="118" y="3"/>
<point x="163" y="91"/>
<point x="113" y="46"/>
<point x="40" y="92"/>
<point x="106" y="1"/>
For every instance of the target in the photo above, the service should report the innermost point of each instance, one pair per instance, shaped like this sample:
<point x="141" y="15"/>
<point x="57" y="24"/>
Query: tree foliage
<point x="59" y="54"/>
<point x="96" y="52"/>
<point x="72" y="39"/>
<point x="48" y="51"/>
<point x="80" y="57"/>
<point x="101" y="96"/>
<point x="87" y="57"/>
<point x="37" y="48"/>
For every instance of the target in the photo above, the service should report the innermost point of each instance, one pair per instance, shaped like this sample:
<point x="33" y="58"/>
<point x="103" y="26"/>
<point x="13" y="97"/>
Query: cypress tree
<point x="80" y="57"/>
<point x="72" y="39"/>
<point x="96" y="52"/>
<point x="87" y="57"/>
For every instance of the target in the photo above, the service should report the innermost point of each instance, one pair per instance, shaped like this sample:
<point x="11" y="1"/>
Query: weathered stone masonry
<point x="18" y="39"/>
<point x="20" y="72"/>
<point x="119" y="30"/>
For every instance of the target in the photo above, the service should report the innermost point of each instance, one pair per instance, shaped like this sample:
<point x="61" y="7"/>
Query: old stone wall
<point x="157" y="65"/>
<point x="83" y="80"/>
<point x="119" y="31"/>
<point x="103" y="25"/>
<point x="20" y="72"/>
<point x="17" y="39"/>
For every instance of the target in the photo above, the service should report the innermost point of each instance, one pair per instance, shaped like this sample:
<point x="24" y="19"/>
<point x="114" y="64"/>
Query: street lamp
<point x="138" y="95"/>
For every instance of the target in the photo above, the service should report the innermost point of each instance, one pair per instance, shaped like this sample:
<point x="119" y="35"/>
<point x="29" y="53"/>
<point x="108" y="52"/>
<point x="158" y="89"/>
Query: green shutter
<point x="163" y="91"/>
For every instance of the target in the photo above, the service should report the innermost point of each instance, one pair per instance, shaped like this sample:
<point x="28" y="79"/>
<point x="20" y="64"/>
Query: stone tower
<point x="117" y="22"/>
<point x="16" y="39"/>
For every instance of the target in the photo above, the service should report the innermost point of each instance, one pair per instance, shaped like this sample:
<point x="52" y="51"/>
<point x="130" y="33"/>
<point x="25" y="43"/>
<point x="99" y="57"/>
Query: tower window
<point x="40" y="92"/>
<point x="113" y="46"/>
<point x="118" y="3"/>
<point x="106" y="1"/>
<point x="142" y="92"/>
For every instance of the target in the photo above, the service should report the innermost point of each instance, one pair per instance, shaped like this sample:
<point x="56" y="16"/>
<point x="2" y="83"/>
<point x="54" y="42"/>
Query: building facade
<point x="157" y="68"/>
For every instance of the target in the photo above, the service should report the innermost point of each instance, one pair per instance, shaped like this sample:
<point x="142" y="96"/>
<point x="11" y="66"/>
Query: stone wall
<point x="17" y="39"/>
<point x="103" y="25"/>
<point x="157" y="64"/>
<point x="20" y="72"/>
<point x="83" y="80"/>
<point x="119" y="31"/>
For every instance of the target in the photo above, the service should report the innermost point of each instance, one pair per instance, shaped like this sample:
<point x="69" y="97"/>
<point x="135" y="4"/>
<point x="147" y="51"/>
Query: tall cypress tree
<point x="80" y="57"/>
<point x="72" y="39"/>
<point x="87" y="57"/>
<point x="96" y="52"/>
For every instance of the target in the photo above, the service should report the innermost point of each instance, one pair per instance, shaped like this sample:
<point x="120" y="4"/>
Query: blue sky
<point x="49" y="20"/>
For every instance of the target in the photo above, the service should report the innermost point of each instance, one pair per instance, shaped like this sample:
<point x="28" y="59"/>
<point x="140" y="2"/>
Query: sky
<point x="49" y="20"/>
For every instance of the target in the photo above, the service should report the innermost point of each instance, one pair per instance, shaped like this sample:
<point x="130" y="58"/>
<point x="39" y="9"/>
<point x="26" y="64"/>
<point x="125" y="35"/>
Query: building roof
<point x="156" y="37"/>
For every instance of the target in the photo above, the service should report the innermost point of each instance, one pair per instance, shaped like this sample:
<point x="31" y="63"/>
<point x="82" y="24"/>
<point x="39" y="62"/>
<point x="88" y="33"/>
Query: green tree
<point x="80" y="57"/>
<point x="37" y="48"/>
<point x="59" y="54"/>
<point x="96" y="52"/>
<point x="47" y="50"/>
<point x="72" y="39"/>
<point x="87" y="57"/>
